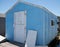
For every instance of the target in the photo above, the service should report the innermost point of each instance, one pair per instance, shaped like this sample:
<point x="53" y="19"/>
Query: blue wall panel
<point x="9" y="26"/>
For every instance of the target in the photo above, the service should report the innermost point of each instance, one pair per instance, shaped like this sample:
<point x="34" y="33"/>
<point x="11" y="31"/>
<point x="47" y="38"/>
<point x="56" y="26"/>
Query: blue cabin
<point x="24" y="16"/>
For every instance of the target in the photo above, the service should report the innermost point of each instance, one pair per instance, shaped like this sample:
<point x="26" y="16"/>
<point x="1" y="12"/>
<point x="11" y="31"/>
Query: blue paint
<point x="37" y="19"/>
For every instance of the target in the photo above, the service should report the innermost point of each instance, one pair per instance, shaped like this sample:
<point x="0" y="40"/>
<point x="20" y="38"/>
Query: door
<point x="31" y="38"/>
<point x="20" y="26"/>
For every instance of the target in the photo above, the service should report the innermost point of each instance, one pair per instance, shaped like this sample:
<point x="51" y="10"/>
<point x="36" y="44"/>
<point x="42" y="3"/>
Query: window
<point x="52" y="23"/>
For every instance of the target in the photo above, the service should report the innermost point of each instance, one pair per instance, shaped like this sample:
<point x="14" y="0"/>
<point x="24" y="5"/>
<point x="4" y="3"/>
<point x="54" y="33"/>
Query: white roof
<point x="39" y="6"/>
<point x="2" y="15"/>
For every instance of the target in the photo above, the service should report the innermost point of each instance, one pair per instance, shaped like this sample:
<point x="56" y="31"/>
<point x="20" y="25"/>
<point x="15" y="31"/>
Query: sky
<point x="51" y="5"/>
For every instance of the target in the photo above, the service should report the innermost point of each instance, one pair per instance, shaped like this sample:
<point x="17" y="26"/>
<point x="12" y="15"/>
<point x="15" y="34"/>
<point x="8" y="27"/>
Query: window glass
<point x="52" y="23"/>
